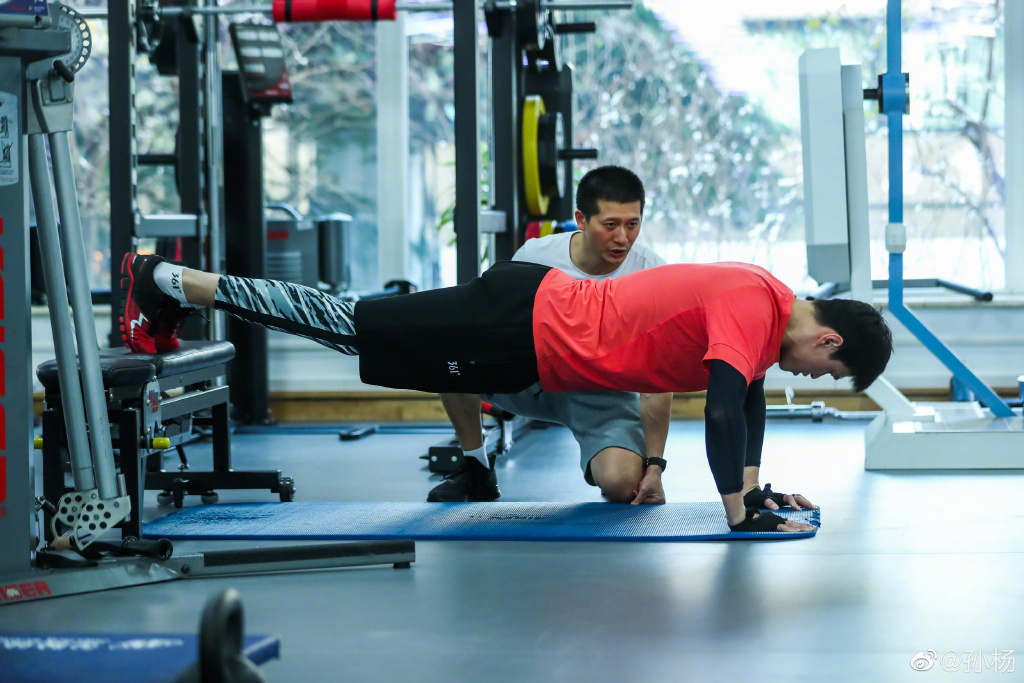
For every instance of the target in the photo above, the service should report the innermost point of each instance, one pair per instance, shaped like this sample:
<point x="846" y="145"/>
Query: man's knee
<point x="617" y="472"/>
<point x="619" y="489"/>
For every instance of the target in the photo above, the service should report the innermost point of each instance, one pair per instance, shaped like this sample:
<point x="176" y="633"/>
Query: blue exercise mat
<point x="139" y="658"/>
<point x="459" y="521"/>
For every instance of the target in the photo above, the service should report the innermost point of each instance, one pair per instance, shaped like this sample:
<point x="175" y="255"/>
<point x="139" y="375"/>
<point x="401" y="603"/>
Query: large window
<point x="321" y="151"/>
<point x="703" y="102"/>
<point x="157" y="122"/>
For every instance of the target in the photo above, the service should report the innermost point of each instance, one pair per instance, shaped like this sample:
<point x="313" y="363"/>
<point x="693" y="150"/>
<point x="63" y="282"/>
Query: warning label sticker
<point x="9" y="139"/>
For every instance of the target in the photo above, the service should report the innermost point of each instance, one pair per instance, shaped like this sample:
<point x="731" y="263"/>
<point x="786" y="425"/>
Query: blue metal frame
<point x="894" y="103"/>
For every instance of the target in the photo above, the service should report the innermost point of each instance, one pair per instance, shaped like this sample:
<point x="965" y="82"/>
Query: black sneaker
<point x="471" y="483"/>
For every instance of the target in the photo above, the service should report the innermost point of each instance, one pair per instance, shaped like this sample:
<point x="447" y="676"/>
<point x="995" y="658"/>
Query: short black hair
<point x="611" y="184"/>
<point x="867" y="340"/>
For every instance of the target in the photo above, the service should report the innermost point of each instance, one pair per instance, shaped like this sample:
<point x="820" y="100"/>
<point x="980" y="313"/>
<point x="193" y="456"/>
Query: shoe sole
<point x="126" y="294"/>
<point x="435" y="499"/>
<point x="463" y="499"/>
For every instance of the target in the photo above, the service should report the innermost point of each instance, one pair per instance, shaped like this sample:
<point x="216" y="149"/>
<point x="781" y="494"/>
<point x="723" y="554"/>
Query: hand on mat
<point x="793" y="525"/>
<point x="767" y="521"/>
<point x="766" y="498"/>
<point x="650" y="491"/>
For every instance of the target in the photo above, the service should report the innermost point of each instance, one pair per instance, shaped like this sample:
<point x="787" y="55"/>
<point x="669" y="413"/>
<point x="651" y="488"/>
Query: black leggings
<point x="474" y="338"/>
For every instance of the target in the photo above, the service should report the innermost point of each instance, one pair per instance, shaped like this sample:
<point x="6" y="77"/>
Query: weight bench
<point x="153" y="402"/>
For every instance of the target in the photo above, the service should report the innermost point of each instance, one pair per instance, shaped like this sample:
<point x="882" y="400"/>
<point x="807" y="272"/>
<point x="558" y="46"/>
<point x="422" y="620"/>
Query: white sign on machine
<point x="9" y="136"/>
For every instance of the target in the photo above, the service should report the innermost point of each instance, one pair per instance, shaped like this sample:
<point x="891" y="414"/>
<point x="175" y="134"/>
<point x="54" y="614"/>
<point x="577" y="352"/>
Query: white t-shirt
<point x="553" y="251"/>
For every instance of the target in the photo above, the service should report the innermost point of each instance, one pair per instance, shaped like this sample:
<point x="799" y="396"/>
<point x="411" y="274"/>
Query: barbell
<point x="288" y="11"/>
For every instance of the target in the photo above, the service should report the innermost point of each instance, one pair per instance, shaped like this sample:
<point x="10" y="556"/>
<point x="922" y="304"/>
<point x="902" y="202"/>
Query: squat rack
<point x="525" y="61"/>
<point x="518" y="29"/>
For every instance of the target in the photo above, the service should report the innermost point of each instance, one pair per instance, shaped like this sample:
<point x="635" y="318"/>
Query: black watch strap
<point x="660" y="462"/>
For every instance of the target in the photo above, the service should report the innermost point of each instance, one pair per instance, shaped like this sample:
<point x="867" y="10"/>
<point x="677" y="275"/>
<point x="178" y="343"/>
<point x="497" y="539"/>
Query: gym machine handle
<point x="287" y="208"/>
<point x="576" y="27"/>
<point x="63" y="71"/>
<point x="343" y="10"/>
<point x="574" y="154"/>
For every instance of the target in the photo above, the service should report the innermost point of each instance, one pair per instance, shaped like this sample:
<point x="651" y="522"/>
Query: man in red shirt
<point x="685" y="327"/>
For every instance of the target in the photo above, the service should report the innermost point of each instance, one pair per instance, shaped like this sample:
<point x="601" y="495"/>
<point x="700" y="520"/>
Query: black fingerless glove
<point x="765" y="521"/>
<point x="756" y="499"/>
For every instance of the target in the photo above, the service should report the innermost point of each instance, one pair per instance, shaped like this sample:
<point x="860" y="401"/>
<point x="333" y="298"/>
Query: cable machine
<point x="42" y="46"/>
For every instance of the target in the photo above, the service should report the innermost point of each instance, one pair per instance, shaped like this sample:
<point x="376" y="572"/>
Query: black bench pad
<point x="122" y="368"/>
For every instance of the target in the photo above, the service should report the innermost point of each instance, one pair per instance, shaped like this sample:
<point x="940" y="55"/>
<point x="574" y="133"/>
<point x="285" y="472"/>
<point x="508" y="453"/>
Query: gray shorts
<point x="597" y="419"/>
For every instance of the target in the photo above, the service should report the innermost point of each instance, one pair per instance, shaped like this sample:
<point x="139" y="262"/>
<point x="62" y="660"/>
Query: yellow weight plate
<point x="536" y="200"/>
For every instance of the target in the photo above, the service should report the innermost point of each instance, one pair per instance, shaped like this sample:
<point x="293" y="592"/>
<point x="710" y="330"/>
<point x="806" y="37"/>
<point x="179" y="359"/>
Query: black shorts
<point x="474" y="338"/>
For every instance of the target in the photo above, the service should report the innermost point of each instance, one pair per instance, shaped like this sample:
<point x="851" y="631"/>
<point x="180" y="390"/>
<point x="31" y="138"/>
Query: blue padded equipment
<point x="139" y="658"/>
<point x="460" y="521"/>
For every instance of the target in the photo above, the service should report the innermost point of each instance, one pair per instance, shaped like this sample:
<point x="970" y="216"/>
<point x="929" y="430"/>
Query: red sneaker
<point x="151" y="319"/>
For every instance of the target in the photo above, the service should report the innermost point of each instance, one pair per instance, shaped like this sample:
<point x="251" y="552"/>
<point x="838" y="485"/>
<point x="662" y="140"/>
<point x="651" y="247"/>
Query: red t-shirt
<point x="658" y="330"/>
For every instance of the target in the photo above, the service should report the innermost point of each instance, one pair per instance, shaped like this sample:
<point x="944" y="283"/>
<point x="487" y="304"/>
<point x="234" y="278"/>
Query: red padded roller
<point x="290" y="11"/>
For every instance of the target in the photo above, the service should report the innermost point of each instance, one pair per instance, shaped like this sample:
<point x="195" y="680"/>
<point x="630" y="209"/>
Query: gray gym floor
<point x="903" y="563"/>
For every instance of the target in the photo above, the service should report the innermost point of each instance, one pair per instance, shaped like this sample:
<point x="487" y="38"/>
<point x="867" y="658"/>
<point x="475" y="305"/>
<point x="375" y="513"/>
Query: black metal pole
<point x="506" y="61"/>
<point x="245" y="246"/>
<point x="467" y="144"/>
<point x="191" y="138"/>
<point x="123" y="200"/>
<point x="192" y="148"/>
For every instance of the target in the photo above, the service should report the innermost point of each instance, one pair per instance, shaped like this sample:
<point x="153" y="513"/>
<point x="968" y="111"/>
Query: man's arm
<point x="655" y="413"/>
<point x="755" y="412"/>
<point x="726" y="440"/>
<point x="725" y="435"/>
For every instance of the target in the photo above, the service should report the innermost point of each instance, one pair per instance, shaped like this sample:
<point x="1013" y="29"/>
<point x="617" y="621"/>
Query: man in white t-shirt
<point x="621" y="435"/>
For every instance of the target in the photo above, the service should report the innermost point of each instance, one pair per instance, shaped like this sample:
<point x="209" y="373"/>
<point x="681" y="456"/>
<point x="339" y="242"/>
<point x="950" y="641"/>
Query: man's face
<point x="813" y="359"/>
<point x="610" y="233"/>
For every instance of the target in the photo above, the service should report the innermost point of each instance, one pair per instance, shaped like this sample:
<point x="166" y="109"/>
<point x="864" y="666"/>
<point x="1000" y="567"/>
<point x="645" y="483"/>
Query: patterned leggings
<point x="474" y="338"/>
<point x="290" y="308"/>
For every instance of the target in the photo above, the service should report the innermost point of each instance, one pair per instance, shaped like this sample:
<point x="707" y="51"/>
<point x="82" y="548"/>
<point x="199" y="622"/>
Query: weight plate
<point x="536" y="200"/>
<point x="532" y="21"/>
<point x="550" y="142"/>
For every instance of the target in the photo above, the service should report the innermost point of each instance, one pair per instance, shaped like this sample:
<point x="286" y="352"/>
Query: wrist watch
<point x="660" y="462"/>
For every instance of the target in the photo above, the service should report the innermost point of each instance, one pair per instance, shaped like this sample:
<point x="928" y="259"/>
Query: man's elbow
<point x="715" y="414"/>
